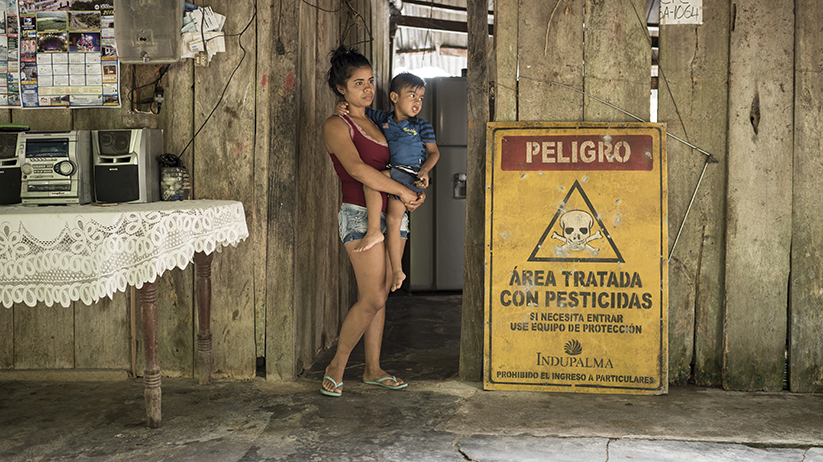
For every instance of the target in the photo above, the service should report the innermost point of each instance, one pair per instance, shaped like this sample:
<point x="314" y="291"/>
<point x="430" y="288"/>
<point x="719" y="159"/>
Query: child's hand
<point x="423" y="181"/>
<point x="342" y="108"/>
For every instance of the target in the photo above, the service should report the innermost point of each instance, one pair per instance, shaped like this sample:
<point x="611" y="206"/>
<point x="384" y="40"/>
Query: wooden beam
<point x="444" y="51"/>
<point x="454" y="51"/>
<point x="439" y="6"/>
<point x="436" y="24"/>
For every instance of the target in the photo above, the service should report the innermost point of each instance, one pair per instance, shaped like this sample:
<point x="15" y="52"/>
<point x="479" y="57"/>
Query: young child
<point x="413" y="153"/>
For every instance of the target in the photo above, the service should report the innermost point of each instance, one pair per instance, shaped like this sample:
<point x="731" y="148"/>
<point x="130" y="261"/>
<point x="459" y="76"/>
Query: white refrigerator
<point x="438" y="227"/>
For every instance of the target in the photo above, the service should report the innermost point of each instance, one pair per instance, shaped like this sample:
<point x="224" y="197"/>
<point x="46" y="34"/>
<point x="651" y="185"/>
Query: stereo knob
<point x="65" y="168"/>
<point x="27" y="169"/>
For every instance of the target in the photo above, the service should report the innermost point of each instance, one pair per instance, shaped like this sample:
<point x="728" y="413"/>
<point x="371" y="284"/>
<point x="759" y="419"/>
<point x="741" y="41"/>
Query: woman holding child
<point x="359" y="153"/>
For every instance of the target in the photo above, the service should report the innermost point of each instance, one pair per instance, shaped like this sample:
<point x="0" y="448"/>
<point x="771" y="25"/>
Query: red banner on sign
<point x="577" y="152"/>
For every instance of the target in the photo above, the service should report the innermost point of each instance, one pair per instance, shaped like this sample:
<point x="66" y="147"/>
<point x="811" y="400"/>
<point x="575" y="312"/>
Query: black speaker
<point x="125" y="165"/>
<point x="10" y="176"/>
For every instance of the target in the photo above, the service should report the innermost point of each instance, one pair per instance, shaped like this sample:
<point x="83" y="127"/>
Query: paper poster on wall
<point x="9" y="54"/>
<point x="67" y="54"/>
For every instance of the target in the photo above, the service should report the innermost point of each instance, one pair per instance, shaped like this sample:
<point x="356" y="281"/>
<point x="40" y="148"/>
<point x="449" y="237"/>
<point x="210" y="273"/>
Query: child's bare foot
<point x="397" y="280"/>
<point x="369" y="240"/>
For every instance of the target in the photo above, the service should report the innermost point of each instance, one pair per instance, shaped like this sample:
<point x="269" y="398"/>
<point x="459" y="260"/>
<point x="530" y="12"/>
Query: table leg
<point x="151" y="375"/>
<point x="203" y="286"/>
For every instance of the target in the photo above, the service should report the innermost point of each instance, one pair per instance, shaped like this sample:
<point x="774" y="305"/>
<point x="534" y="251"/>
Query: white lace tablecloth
<point x="60" y="254"/>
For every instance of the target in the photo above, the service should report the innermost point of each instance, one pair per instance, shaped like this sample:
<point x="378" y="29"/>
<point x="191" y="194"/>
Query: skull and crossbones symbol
<point x="577" y="227"/>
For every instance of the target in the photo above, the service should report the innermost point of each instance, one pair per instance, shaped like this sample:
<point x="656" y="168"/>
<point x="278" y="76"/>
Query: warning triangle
<point x="570" y="241"/>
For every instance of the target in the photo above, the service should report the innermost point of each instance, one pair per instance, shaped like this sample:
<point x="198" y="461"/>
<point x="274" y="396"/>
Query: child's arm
<point x="431" y="159"/>
<point x="342" y="108"/>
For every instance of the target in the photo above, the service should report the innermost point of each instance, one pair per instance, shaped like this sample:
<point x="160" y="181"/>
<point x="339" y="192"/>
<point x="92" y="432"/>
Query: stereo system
<point x="125" y="165"/>
<point x="9" y="169"/>
<point x="56" y="167"/>
<point x="81" y="166"/>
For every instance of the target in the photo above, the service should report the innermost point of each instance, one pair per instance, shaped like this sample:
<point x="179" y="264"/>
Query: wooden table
<point x="62" y="254"/>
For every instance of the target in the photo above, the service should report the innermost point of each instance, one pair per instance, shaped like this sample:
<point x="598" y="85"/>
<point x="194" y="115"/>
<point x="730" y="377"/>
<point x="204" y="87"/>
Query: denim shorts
<point x="353" y="223"/>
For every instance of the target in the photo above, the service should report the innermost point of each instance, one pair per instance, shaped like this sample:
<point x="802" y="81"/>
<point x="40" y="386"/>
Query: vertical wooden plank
<point x="43" y="337"/>
<point x="805" y="348"/>
<point x="558" y="59"/>
<point x="176" y="117"/>
<point x="102" y="334"/>
<point x="618" y="61"/>
<point x="308" y="288"/>
<point x="282" y="206"/>
<point x="379" y="14"/>
<point x="506" y="31"/>
<point x="693" y="103"/>
<point x="268" y="30"/>
<point x="337" y="270"/>
<point x="477" y="80"/>
<point x="758" y="236"/>
<point x="222" y="165"/>
<point x="6" y="338"/>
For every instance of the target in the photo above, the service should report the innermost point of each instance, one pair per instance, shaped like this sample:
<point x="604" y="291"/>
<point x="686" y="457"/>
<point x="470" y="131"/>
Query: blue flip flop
<point x="336" y="386"/>
<point x="380" y="383"/>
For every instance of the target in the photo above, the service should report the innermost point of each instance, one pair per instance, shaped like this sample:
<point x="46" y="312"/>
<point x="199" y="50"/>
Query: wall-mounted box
<point x="148" y="31"/>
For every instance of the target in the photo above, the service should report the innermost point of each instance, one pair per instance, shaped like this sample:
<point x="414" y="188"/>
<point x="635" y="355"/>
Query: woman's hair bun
<point x="343" y="61"/>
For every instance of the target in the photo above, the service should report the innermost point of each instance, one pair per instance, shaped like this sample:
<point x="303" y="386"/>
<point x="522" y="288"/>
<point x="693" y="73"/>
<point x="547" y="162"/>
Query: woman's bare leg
<point x="367" y="315"/>
<point x="373" y="340"/>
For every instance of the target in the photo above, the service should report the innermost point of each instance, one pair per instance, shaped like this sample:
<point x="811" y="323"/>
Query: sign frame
<point x="515" y="175"/>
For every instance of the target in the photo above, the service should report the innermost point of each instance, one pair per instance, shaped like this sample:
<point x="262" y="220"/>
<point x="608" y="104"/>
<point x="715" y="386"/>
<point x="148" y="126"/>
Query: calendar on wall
<point x="58" y="53"/>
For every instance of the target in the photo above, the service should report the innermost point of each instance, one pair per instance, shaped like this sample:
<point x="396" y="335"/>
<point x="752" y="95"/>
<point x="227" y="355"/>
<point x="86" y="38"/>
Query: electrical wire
<point x="153" y="80"/>
<point x="216" y="105"/>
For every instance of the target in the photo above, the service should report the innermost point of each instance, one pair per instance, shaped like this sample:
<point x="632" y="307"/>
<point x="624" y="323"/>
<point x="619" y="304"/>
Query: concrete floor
<point x="437" y="418"/>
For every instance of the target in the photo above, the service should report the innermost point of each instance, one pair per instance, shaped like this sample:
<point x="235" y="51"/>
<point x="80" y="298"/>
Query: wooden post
<point x="759" y="212"/>
<point x="471" y="332"/>
<point x="692" y="101"/>
<point x="151" y="375"/>
<point x="203" y="285"/>
<point x="282" y="198"/>
<point x="806" y="323"/>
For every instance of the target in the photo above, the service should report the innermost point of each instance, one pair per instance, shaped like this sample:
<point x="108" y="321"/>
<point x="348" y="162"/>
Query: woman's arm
<point x="338" y="141"/>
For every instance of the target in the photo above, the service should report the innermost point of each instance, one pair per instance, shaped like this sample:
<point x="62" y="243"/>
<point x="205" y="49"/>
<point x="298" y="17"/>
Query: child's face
<point x="409" y="102"/>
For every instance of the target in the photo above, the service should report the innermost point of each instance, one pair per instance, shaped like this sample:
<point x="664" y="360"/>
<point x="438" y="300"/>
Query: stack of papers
<point x="199" y="25"/>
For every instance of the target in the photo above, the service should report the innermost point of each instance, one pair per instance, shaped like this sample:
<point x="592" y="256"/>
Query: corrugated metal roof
<point x="431" y="51"/>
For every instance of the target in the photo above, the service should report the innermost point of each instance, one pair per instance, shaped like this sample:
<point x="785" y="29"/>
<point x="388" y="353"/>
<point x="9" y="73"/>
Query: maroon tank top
<point x="373" y="153"/>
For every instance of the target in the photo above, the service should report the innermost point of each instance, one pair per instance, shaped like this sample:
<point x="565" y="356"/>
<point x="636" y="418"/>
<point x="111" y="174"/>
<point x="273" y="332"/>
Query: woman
<point x="359" y="151"/>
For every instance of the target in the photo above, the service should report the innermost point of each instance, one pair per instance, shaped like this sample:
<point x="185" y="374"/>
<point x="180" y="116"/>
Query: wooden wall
<point x="744" y="291"/>
<point x="282" y="293"/>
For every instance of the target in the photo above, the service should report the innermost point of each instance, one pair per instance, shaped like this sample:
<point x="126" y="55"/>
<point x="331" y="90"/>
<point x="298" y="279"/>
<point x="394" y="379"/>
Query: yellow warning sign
<point x="576" y="269"/>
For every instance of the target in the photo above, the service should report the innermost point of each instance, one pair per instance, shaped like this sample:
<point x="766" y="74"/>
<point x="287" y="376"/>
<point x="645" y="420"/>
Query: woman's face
<point x="359" y="89"/>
